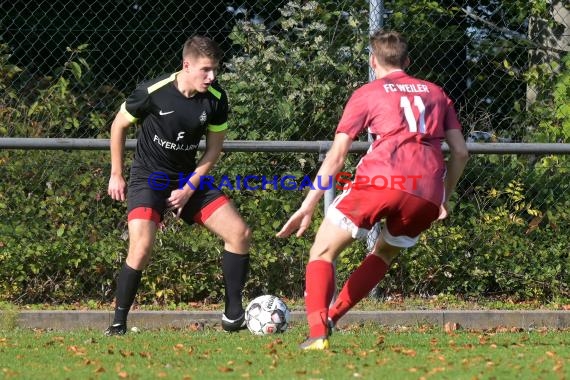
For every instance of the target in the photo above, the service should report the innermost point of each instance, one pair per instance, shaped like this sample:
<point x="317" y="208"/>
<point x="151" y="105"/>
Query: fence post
<point x="376" y="21"/>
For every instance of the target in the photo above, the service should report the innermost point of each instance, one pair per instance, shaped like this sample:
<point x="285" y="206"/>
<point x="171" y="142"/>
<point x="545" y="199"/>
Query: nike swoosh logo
<point x="164" y="113"/>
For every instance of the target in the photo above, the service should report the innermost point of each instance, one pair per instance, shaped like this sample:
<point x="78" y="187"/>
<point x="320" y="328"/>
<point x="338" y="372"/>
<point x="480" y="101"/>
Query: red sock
<point x="358" y="285"/>
<point x="319" y="288"/>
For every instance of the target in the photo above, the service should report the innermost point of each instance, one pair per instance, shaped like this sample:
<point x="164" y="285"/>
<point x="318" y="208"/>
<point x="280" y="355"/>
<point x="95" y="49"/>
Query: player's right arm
<point x="134" y="108"/>
<point x="117" y="184"/>
<point x="352" y="122"/>
<point x="332" y="164"/>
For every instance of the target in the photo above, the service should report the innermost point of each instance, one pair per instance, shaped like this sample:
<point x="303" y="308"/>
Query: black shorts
<point x="141" y="195"/>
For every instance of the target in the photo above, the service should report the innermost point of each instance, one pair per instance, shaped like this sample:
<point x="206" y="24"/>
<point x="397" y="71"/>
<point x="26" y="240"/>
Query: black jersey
<point x="172" y="124"/>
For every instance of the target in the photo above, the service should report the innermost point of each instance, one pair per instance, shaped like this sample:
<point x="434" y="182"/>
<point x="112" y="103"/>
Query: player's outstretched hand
<point x="443" y="211"/>
<point x="117" y="188"/>
<point x="299" y="222"/>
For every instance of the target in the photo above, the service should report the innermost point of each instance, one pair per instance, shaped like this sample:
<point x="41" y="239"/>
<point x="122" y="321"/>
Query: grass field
<point x="365" y="351"/>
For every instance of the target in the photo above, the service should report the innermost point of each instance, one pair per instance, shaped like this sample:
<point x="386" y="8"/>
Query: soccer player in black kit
<point x="174" y="112"/>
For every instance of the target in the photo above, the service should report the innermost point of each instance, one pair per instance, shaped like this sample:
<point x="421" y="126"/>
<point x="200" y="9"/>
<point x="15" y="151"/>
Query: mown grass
<point x="364" y="351"/>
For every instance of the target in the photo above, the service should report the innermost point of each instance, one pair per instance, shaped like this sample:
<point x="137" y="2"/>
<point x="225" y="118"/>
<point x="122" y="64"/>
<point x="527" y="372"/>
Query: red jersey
<point x="408" y="118"/>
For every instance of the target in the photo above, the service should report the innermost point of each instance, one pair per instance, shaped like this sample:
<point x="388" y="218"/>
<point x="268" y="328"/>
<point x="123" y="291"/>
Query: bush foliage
<point x="62" y="239"/>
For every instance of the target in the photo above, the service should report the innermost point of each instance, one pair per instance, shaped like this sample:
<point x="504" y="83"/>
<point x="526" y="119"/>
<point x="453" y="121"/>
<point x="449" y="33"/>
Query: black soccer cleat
<point x="330" y="327"/>
<point x="231" y="325"/>
<point x="116" y="329"/>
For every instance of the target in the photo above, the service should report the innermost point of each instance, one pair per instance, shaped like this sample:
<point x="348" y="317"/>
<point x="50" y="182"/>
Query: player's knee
<point x="240" y="238"/>
<point x="139" y="254"/>
<point x="246" y="236"/>
<point x="321" y="253"/>
<point x="386" y="251"/>
<point x="388" y="255"/>
<point x="138" y="259"/>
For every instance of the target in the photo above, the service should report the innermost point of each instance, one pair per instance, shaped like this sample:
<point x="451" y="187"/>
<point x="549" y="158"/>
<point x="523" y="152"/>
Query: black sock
<point x="234" y="268"/>
<point x="127" y="285"/>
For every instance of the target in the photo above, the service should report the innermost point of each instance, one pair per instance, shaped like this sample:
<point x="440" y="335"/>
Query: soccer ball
<point x="267" y="315"/>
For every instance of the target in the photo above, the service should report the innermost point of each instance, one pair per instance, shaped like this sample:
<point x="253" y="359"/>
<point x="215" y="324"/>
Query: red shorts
<point x="406" y="215"/>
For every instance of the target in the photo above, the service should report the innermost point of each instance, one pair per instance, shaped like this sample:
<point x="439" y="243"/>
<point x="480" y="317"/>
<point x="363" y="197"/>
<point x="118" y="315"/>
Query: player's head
<point x="200" y="59"/>
<point x="390" y="49"/>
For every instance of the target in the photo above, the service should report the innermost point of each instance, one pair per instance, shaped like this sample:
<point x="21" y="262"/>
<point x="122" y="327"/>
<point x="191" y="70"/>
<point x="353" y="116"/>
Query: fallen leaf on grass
<point x="274" y="343"/>
<point x="225" y="369"/>
<point x="379" y="340"/>
<point x="558" y="367"/>
<point x="450" y="327"/>
<point x="125" y="353"/>
<point x="76" y="350"/>
<point x="404" y="351"/>
<point x="436" y="370"/>
<point x="196" y="326"/>
<point x="9" y="373"/>
<point x="178" y="347"/>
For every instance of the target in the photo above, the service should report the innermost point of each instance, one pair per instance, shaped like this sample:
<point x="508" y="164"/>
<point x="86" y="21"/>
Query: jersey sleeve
<point x="355" y="115"/>
<point x="136" y="105"/>
<point x="451" y="120"/>
<point x="219" y="119"/>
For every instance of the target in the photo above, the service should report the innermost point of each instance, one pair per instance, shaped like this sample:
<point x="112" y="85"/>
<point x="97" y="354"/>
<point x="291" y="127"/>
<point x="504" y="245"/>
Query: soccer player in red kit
<point x="409" y="118"/>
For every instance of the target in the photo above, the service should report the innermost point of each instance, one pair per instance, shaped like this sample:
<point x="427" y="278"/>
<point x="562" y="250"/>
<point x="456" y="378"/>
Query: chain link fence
<point x="289" y="67"/>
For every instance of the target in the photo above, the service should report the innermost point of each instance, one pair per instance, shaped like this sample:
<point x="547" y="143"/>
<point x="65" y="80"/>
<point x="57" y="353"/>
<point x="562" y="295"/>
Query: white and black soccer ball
<point x="267" y="314"/>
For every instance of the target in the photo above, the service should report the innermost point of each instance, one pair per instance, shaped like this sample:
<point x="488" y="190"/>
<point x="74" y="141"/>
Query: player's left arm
<point x="217" y="128"/>
<point x="333" y="163"/>
<point x="214" y="145"/>
<point x="459" y="155"/>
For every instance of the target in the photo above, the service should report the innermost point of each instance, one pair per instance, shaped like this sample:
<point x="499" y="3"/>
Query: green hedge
<point x="62" y="239"/>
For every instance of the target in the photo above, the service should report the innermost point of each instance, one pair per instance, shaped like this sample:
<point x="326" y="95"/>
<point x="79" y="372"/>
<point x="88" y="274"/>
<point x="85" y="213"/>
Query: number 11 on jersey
<point x="409" y="113"/>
